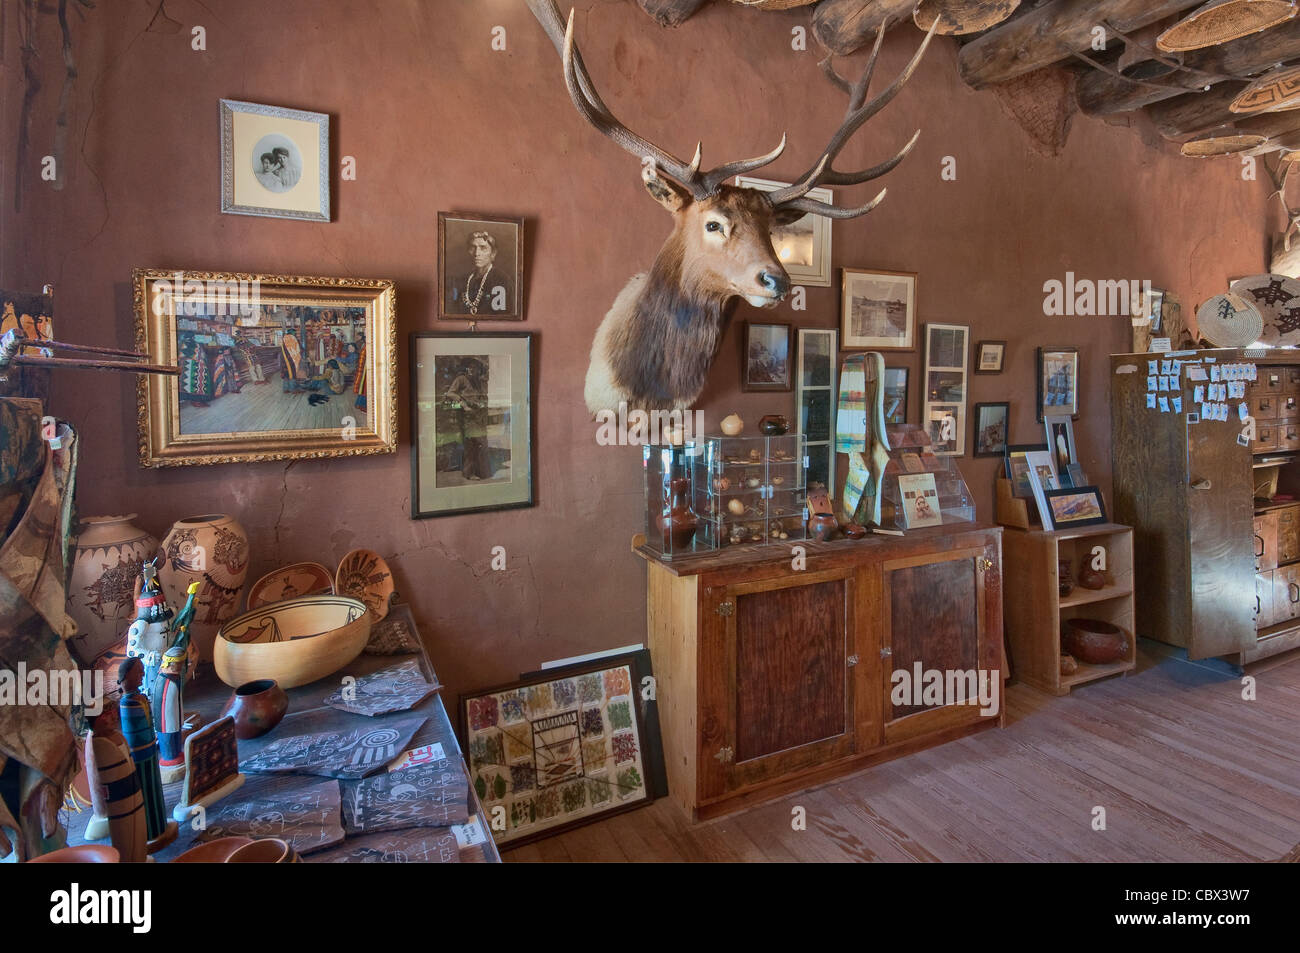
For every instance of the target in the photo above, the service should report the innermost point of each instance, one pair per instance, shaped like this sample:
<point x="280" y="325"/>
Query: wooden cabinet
<point x="776" y="668"/>
<point x="1265" y="542"/>
<point x="1264" y="613"/>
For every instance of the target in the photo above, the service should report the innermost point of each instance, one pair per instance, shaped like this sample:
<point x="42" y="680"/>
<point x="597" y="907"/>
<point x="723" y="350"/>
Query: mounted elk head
<point x="655" y="346"/>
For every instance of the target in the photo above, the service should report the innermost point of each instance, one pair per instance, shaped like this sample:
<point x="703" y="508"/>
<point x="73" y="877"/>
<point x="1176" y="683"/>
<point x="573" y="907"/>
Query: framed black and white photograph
<point x="989" y="357"/>
<point x="816" y="400"/>
<point x="766" y="362"/>
<point x="274" y="161"/>
<point x="1060" y="440"/>
<point x="480" y="268"/>
<point x="804" y="246"/>
<point x="896" y="394"/>
<point x="944" y="413"/>
<point x="1058" y="381"/>
<point x="991" y="429"/>
<point x="471" y="422"/>
<point x="878" y="310"/>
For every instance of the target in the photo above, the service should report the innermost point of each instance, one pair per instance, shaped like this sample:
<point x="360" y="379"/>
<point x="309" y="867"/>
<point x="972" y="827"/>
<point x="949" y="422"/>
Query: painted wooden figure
<point x="138" y="730"/>
<point x="148" y="637"/>
<point x="118" y="785"/>
<point x="167" y="700"/>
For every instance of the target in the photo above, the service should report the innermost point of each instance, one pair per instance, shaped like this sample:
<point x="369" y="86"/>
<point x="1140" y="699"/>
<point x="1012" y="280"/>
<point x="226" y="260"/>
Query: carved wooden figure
<point x="654" y="348"/>
<point x="142" y="742"/>
<point x="168" y="704"/>
<point x="119" y="789"/>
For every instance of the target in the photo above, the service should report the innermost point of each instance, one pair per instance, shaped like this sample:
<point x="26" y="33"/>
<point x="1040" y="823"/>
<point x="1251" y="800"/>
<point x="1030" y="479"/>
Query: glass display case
<point x="725" y="491"/>
<point x="923" y="489"/>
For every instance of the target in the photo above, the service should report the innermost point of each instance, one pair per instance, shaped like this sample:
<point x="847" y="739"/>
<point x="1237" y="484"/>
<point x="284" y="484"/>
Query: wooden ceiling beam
<point x="671" y="12"/>
<point x="1051" y="33"/>
<point x="843" y="26"/>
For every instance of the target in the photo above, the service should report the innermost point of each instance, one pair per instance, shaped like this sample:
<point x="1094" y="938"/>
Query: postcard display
<point x="732" y="490"/>
<point x="923" y="489"/>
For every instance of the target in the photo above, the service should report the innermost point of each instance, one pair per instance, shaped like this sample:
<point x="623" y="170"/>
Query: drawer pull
<point x="1202" y="485"/>
<point x="1258" y="608"/>
<point x="1259" y="550"/>
<point x="1293" y="592"/>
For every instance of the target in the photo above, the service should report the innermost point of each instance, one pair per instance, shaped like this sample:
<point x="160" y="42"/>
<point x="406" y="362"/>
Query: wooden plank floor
<point x="1185" y="768"/>
<point x="259" y="407"/>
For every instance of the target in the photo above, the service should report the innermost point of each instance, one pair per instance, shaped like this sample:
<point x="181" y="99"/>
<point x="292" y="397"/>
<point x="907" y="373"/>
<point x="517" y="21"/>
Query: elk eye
<point x="713" y="226"/>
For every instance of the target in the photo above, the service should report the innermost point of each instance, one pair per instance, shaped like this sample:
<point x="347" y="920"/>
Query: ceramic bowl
<point x="364" y="575"/>
<point x="267" y="850"/>
<point x="213" y="852"/>
<point x="1094" y="641"/>
<point x="289" y="582"/>
<point x="293" y="642"/>
<point x="257" y="707"/>
<point x="82" y="854"/>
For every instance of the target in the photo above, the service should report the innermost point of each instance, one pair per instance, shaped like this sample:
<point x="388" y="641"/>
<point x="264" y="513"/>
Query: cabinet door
<point x="775" y="688"/>
<point x="1220" y="514"/>
<point x="942" y="613"/>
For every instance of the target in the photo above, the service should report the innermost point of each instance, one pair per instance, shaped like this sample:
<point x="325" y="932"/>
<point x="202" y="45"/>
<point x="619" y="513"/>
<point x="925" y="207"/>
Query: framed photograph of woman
<point x="877" y="310"/>
<point x="766" y="362"/>
<point x="275" y="162"/>
<point x="471" y="422"/>
<point x="1058" y="382"/>
<point x="272" y="367"/>
<point x="480" y="268"/>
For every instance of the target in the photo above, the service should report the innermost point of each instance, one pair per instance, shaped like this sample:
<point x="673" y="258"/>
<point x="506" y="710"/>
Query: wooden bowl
<point x="364" y="575"/>
<point x="289" y="582"/>
<point x="267" y="850"/>
<point x="213" y="852"/>
<point x="1094" y="641"/>
<point x="294" y="642"/>
<point x="83" y="854"/>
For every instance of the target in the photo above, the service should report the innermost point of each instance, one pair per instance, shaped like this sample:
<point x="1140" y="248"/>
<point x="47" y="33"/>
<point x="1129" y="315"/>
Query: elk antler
<point x="593" y="109"/>
<point x="793" y="197"/>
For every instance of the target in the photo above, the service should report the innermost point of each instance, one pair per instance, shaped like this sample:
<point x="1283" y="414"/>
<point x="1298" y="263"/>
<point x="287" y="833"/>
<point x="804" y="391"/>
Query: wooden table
<point x="308" y="713"/>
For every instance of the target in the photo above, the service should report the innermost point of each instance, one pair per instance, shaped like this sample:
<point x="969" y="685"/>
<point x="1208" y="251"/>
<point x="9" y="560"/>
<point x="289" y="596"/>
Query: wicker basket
<point x="1220" y="21"/>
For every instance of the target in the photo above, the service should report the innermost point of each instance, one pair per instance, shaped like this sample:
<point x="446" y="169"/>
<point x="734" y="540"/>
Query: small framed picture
<point x="275" y="162"/>
<point x="1018" y="470"/>
<point x="803" y="247"/>
<point x="1075" y="506"/>
<point x="989" y="357"/>
<point x="1060" y="440"/>
<point x="878" y="310"/>
<point x="896" y="395"/>
<point x="765" y="365"/>
<point x="1058" y="381"/>
<point x="991" y="429"/>
<point x="480" y="268"/>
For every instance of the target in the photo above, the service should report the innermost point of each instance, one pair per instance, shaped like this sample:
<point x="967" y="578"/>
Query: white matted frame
<point x="297" y="143"/>
<point x="815" y="388"/>
<point x="945" y="387"/>
<point x="803" y="247"/>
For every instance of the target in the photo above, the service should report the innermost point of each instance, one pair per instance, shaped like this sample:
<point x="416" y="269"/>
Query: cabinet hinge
<point x="725" y="754"/>
<point x="852" y="660"/>
<point x="726" y="608"/>
<point x="985" y="563"/>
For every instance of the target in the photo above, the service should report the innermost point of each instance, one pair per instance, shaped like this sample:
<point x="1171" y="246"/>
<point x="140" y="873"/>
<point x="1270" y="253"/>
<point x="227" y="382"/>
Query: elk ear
<point x="786" y="216"/>
<point x="664" y="190"/>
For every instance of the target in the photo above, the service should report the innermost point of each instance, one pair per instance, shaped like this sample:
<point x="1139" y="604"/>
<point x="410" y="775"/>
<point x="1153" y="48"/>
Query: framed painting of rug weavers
<point x="273" y="367"/>
<point x="560" y="748"/>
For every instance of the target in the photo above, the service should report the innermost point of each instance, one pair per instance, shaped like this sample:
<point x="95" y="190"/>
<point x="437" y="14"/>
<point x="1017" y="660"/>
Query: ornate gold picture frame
<point x="273" y="367"/>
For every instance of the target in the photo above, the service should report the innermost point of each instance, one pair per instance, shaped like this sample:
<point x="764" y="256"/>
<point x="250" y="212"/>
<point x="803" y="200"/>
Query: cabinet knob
<point x="726" y="608"/>
<point x="725" y="754"/>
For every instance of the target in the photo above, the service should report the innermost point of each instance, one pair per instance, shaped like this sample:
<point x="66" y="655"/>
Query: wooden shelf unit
<point x="1035" y="612"/>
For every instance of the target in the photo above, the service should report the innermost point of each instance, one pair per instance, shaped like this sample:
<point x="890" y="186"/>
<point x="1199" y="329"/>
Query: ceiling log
<point x="1191" y="113"/>
<point x="843" y="26"/>
<point x="670" y="12"/>
<point x="1050" y="33"/>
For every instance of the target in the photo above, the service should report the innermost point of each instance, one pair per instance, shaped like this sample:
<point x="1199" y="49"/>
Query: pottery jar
<point x="677" y="521"/>
<point x="106" y="564"/>
<point x="214" y="551"/>
<point x="257" y="707"/>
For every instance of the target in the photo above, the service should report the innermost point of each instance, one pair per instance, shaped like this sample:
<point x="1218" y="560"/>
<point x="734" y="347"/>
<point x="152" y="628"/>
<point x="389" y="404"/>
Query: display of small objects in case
<point x="725" y="491"/>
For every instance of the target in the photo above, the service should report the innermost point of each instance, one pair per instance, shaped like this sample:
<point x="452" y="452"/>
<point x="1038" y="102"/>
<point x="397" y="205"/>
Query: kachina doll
<point x="147" y="638"/>
<point x="180" y="636"/>
<point x="137" y="729"/>
<point x="169" y="714"/>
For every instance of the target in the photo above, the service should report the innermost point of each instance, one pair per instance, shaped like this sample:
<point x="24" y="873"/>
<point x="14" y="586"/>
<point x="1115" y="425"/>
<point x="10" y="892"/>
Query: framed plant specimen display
<point x="471" y="422"/>
<point x="816" y="400"/>
<point x="896" y="394"/>
<point x="273" y="367"/>
<point x="944" y="413"/>
<point x="480" y="268"/>
<point x="1058" y="381"/>
<point x="803" y="247"/>
<point x="991" y="429"/>
<point x="765" y="365"/>
<point x="990" y="355"/>
<point x="275" y="162"/>
<point x="560" y="748"/>
<point x="878" y="310"/>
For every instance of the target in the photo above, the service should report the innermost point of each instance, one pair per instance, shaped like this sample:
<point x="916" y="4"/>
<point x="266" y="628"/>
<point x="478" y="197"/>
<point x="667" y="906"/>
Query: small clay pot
<point x="1068" y="665"/>
<point x="854" y="530"/>
<point x="268" y="850"/>
<point x="214" y="851"/>
<point x="1094" y="641"/>
<point x="822" y="527"/>
<point x="732" y="425"/>
<point x="257" y="707"/>
<point x="1064" y="585"/>
<point x="677" y="522"/>
<point x="773" y="425"/>
<point x="1090" y="578"/>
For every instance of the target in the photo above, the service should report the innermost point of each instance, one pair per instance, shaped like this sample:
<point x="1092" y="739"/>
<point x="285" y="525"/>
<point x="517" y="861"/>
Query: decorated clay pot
<point x="213" y="550"/>
<point x="1094" y="641"/>
<point x="1090" y="578"/>
<point x="1064" y="584"/>
<point x="773" y="425"/>
<point x="677" y="521"/>
<point x="109" y="552"/>
<point x="822" y="527"/>
<point x="257" y="707"/>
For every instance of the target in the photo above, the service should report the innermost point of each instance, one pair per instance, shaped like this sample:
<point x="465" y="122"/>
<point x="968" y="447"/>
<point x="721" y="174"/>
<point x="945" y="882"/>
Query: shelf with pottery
<point x="1038" y="615"/>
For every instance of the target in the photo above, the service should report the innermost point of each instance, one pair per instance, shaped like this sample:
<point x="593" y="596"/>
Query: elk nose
<point x="777" y="284"/>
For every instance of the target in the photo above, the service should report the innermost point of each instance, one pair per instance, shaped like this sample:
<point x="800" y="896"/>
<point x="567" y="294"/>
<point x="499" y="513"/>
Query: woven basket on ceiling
<point x="775" y="4"/>
<point x="1221" y="21"/>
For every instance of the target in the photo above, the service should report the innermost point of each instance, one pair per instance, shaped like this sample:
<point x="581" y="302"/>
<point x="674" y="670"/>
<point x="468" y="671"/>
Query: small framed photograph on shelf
<point x="991" y="429"/>
<point x="1060" y="440"/>
<point x="896" y="394"/>
<point x="275" y="162"/>
<point x="989" y="357"/>
<point x="1058" y="381"/>
<point x="877" y="310"/>
<point x="803" y="246"/>
<point x="1075" y="506"/>
<point x="1018" y="470"/>
<point x="766" y="362"/>
<point x="480" y="268"/>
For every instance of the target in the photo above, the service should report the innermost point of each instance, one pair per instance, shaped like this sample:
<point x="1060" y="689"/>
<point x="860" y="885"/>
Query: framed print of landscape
<point x="878" y="310"/>
<point x="272" y="367"/>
